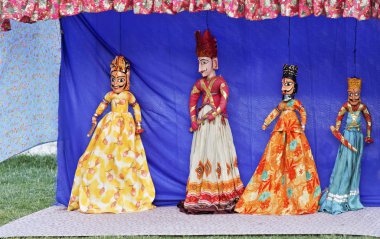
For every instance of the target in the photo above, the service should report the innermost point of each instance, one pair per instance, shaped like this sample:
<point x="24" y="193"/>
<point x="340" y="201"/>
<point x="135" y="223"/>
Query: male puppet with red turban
<point x="214" y="184"/>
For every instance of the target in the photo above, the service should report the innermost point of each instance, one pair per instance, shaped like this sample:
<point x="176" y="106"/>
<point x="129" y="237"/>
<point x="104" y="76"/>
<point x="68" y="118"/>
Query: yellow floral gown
<point x="112" y="175"/>
<point x="286" y="179"/>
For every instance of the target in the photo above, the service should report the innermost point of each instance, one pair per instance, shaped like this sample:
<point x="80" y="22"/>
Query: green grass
<point x="27" y="184"/>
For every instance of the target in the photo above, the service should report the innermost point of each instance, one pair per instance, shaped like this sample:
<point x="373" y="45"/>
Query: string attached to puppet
<point x="355" y="38"/>
<point x="207" y="27"/>
<point x="289" y="32"/>
<point x="120" y="37"/>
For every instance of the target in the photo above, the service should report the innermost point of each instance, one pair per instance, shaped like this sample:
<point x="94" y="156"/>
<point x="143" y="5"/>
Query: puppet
<point x="343" y="193"/>
<point x="112" y="175"/>
<point x="214" y="184"/>
<point x="286" y="179"/>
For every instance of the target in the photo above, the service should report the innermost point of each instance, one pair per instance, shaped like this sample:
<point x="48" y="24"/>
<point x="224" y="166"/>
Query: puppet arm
<point x="102" y="106"/>
<point x="194" y="96"/>
<point x="273" y="115"/>
<point x="137" y="111"/>
<point x="339" y="118"/>
<point x="302" y="113"/>
<point x="368" y="119"/>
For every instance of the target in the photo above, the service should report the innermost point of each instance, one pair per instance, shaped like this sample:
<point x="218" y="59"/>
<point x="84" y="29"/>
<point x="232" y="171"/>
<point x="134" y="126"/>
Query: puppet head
<point x="354" y="88"/>
<point x="207" y="53"/>
<point x="289" y="82"/>
<point x="120" y="74"/>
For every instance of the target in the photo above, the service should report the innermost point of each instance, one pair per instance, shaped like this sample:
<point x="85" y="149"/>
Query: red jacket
<point x="214" y="93"/>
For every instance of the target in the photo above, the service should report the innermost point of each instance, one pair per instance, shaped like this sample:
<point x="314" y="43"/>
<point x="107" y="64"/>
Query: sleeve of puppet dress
<point x="302" y="112"/>
<point x="339" y="118"/>
<point x="194" y="96"/>
<point x="368" y="119"/>
<point x="103" y="105"/>
<point x="224" y="91"/>
<point x="272" y="115"/>
<point x="136" y="110"/>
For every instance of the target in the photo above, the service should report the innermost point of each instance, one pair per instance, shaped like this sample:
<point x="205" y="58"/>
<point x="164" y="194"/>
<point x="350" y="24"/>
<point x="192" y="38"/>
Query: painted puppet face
<point x="207" y="66"/>
<point x="287" y="86"/>
<point x="354" y="97"/>
<point x="119" y="81"/>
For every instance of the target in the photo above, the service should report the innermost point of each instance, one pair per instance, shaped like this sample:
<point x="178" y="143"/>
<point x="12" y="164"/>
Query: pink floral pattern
<point x="36" y="10"/>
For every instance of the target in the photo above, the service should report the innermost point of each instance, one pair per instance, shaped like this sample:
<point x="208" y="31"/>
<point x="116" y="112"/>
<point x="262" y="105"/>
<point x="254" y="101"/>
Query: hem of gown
<point x="243" y="211"/>
<point x="207" y="209"/>
<point x="145" y="208"/>
<point x="203" y="206"/>
<point x="332" y="207"/>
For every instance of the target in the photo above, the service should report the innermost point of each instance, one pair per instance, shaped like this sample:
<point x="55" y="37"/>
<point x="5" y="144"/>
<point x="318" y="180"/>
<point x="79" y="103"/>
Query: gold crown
<point x="354" y="83"/>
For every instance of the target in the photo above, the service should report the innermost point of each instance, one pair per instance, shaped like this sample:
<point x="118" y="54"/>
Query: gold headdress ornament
<point x="120" y="64"/>
<point x="354" y="83"/>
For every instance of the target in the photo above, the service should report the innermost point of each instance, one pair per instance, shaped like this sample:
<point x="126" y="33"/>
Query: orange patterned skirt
<point x="286" y="179"/>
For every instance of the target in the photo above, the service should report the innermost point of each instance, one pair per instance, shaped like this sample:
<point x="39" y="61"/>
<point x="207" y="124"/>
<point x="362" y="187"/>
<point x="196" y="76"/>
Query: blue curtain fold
<point x="161" y="49"/>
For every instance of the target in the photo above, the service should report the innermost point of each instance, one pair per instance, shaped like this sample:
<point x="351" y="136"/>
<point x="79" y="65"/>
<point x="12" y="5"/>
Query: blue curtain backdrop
<point x="161" y="49"/>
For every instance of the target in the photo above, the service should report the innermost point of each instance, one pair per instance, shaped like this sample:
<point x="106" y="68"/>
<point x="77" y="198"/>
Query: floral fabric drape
<point x="30" y="59"/>
<point x="37" y="10"/>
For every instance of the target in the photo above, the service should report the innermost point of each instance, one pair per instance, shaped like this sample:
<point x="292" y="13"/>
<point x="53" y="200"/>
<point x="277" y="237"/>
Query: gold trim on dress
<point x="193" y="108"/>
<point x="195" y="90"/>
<point x="224" y="94"/>
<point x="208" y="92"/>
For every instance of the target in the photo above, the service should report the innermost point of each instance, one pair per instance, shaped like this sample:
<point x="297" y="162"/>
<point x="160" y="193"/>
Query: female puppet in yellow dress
<point x="286" y="179"/>
<point x="112" y="175"/>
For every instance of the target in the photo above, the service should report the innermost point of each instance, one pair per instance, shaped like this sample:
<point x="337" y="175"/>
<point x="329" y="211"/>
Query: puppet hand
<point x="93" y="120"/>
<point x="139" y="130"/>
<point x="369" y="140"/>
<point x="194" y="126"/>
<point x="264" y="127"/>
<point x="211" y="117"/>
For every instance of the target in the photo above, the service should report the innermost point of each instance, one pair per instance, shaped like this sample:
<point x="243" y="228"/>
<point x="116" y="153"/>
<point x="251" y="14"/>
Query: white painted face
<point x="119" y="81"/>
<point x="207" y="66"/>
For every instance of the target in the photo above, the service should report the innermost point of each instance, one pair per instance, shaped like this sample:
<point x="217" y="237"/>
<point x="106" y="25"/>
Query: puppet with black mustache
<point x="289" y="82"/>
<point x="286" y="180"/>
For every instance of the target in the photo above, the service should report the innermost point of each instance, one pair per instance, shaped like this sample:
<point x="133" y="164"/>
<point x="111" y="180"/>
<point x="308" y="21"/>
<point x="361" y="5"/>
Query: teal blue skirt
<point x="343" y="193"/>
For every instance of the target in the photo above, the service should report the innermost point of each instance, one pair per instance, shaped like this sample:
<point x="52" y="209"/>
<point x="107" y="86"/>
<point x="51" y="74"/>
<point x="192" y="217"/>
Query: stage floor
<point x="56" y="221"/>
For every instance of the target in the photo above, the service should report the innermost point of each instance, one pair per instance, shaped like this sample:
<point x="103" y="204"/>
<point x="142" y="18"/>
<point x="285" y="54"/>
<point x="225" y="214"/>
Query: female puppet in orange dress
<point x="112" y="174"/>
<point x="286" y="179"/>
<point x="214" y="184"/>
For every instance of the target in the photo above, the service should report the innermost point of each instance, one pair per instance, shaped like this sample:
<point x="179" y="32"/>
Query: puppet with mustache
<point x="342" y="195"/>
<point x="286" y="180"/>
